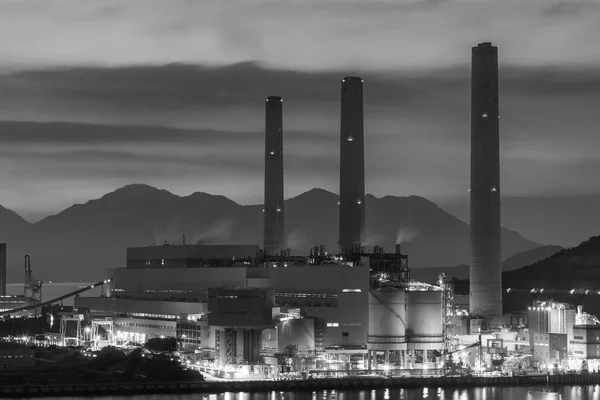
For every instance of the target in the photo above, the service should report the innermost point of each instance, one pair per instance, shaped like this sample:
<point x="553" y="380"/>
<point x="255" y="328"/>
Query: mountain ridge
<point x="83" y="240"/>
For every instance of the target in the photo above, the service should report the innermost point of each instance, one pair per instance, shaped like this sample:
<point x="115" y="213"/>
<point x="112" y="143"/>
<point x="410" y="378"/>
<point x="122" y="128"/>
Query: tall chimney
<point x="2" y="269"/>
<point x="352" y="165"/>
<point x="485" y="272"/>
<point x="274" y="232"/>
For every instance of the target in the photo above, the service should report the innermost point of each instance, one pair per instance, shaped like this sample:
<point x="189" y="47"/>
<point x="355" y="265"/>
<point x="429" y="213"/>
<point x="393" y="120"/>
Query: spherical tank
<point x="424" y="314"/>
<point x="387" y="318"/>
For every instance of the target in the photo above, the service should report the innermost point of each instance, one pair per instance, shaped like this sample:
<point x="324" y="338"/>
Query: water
<point x="53" y="290"/>
<point x="490" y="393"/>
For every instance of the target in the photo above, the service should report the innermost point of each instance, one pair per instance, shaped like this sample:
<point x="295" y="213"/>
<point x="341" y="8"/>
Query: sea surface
<point x="490" y="393"/>
<point x="53" y="290"/>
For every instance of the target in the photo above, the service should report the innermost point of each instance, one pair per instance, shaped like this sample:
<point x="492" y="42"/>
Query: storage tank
<point x="424" y="316"/>
<point x="387" y="319"/>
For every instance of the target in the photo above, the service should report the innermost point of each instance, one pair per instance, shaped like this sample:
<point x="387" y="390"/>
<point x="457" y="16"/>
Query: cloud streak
<point x="312" y="35"/>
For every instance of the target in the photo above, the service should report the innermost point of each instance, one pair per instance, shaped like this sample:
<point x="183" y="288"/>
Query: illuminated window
<point x="351" y="290"/>
<point x="333" y="324"/>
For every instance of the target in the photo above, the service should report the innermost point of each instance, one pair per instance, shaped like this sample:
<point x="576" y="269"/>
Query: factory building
<point x="274" y="229"/>
<point x="485" y="270"/>
<point x="159" y="300"/>
<point x="352" y="166"/>
<point x="549" y="348"/>
<point x="586" y="346"/>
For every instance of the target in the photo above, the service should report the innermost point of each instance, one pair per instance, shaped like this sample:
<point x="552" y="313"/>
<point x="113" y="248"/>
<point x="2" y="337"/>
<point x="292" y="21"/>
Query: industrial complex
<point x="242" y="311"/>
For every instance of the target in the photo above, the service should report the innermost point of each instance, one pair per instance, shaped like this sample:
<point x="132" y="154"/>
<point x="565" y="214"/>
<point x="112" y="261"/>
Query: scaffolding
<point x="218" y="347"/>
<point x="320" y="335"/>
<point x="447" y="311"/>
<point x="230" y="346"/>
<point x="98" y="341"/>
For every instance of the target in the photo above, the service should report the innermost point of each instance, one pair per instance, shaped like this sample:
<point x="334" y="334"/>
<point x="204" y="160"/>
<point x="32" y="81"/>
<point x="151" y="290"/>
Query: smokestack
<point x="2" y="269"/>
<point x="274" y="233"/>
<point x="485" y="272"/>
<point x="398" y="248"/>
<point x="352" y="165"/>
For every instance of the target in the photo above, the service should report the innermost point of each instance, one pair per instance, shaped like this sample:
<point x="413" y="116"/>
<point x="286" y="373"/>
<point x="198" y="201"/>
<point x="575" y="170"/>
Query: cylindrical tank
<point x="387" y="316"/>
<point x="424" y="316"/>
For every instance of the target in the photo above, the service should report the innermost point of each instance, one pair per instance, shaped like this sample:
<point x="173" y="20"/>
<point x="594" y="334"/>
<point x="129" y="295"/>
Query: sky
<point x="98" y="95"/>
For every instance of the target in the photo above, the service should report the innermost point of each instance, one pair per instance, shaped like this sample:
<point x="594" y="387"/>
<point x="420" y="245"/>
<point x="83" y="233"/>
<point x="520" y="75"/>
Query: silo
<point x="387" y="319"/>
<point x="424" y="318"/>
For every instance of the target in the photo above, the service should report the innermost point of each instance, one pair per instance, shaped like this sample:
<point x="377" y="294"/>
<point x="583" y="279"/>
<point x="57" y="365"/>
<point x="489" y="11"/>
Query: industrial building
<point x="162" y="300"/>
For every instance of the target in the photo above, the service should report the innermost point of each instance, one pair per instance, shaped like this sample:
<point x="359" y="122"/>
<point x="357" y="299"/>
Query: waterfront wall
<point x="354" y="383"/>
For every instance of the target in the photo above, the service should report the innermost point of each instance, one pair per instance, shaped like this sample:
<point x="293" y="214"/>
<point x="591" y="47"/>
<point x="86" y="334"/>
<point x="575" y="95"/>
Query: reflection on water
<point x="431" y="393"/>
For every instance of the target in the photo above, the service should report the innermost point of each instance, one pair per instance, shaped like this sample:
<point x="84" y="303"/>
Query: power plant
<point x="239" y="311"/>
<point x="486" y="263"/>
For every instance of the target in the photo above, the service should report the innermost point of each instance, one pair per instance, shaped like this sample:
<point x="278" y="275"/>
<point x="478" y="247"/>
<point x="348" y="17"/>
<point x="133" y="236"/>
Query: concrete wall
<point x="193" y="279"/>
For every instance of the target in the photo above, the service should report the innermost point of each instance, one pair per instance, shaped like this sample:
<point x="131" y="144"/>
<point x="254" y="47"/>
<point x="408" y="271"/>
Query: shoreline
<point x="213" y="387"/>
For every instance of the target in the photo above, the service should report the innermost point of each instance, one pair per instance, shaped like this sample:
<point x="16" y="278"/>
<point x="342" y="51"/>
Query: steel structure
<point x="107" y="325"/>
<point x="448" y="311"/>
<point x="33" y="287"/>
<point x="64" y="321"/>
<point x="230" y="346"/>
<point x="55" y="300"/>
<point x="320" y="335"/>
<point x="218" y="347"/>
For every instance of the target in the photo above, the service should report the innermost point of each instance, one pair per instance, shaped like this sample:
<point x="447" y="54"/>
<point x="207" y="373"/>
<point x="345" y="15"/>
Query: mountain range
<point x="560" y="220"/>
<point x="82" y="241"/>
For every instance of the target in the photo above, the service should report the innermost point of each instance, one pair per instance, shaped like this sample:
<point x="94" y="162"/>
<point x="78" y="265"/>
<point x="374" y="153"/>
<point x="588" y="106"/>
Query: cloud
<point x="309" y="35"/>
<point x="162" y="126"/>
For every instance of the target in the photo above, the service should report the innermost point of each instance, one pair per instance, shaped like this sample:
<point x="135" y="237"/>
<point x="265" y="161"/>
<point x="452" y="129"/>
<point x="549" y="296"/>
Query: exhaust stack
<point x="485" y="272"/>
<point x="274" y="230"/>
<point x="352" y="166"/>
<point x="2" y="269"/>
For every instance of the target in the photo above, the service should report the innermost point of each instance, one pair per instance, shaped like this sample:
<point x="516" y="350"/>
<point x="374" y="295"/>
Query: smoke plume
<point x="405" y="235"/>
<point x="219" y="233"/>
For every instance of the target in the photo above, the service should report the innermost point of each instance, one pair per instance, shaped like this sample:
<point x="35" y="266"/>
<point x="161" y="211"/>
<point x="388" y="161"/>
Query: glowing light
<point x="358" y="201"/>
<point x="350" y="138"/>
<point x="484" y="115"/>
<point x="494" y="189"/>
<point x="508" y="290"/>
<point x="278" y="209"/>
<point x="272" y="153"/>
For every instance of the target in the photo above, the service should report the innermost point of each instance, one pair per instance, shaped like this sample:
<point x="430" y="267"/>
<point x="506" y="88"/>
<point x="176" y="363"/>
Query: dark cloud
<point x="188" y="128"/>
